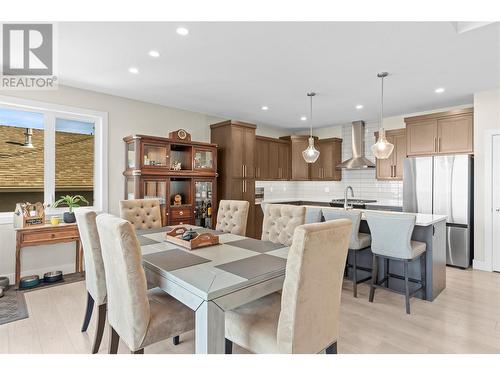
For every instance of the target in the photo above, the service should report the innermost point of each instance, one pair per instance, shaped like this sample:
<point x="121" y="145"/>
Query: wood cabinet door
<point x="237" y="154"/>
<point x="384" y="167"/>
<point x="337" y="159"/>
<point x="261" y="159"/>
<point x="259" y="219"/>
<point x="249" y="152"/>
<point x="399" y="155"/>
<point x="315" y="171"/>
<point x="327" y="160"/>
<point x="236" y="189"/>
<point x="455" y="135"/>
<point x="273" y="172"/>
<point x="284" y="161"/>
<point x="421" y="138"/>
<point x="300" y="169"/>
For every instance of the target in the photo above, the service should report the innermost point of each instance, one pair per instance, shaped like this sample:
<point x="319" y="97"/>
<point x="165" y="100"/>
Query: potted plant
<point x="72" y="201"/>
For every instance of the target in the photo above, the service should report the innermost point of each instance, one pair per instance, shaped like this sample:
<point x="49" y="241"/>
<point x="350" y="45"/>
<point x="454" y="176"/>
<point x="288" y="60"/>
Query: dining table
<point x="214" y="279"/>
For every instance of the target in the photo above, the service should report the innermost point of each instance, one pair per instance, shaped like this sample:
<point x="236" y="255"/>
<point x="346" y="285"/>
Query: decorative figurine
<point x="177" y="200"/>
<point x="176" y="165"/>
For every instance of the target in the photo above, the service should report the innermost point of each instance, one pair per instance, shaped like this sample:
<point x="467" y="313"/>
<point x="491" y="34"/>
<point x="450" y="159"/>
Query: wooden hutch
<point x="180" y="173"/>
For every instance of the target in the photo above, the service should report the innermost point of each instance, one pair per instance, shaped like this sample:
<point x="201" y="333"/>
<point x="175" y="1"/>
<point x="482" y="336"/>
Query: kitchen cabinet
<point x="392" y="167"/>
<point x="299" y="168"/>
<point x="448" y="132"/>
<point x="325" y="168"/>
<point x="271" y="159"/>
<point x="236" y="161"/>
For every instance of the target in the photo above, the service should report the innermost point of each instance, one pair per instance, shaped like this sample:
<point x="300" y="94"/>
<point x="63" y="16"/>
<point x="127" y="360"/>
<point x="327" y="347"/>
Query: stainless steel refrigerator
<point x="442" y="185"/>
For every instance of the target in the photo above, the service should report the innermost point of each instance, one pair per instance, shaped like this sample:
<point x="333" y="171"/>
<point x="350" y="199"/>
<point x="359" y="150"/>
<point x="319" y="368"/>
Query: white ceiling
<point x="232" y="69"/>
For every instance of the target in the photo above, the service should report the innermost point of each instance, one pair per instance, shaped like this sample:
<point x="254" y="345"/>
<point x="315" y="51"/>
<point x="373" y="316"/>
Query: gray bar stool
<point x="358" y="241"/>
<point x="391" y="240"/>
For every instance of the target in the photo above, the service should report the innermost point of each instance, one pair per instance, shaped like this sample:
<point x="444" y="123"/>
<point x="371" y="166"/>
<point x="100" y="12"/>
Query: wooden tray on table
<point x="201" y="240"/>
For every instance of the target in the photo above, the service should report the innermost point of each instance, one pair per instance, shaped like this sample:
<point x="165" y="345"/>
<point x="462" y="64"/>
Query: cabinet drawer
<point x="180" y="213"/>
<point x="185" y="221"/>
<point x="46" y="236"/>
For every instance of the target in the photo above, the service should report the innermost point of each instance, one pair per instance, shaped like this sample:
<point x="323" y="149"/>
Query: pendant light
<point x="382" y="149"/>
<point x="310" y="154"/>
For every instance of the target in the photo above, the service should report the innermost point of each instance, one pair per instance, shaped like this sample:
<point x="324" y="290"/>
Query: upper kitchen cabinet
<point x="440" y="133"/>
<point x="271" y="159"/>
<point x="392" y="167"/>
<point x="325" y="168"/>
<point x="299" y="168"/>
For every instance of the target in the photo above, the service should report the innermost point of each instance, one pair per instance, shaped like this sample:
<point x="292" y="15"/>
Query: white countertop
<point x="379" y="202"/>
<point x="422" y="220"/>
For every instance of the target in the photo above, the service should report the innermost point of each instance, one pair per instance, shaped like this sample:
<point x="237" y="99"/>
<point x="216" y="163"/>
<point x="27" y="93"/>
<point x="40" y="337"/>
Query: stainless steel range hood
<point x="358" y="160"/>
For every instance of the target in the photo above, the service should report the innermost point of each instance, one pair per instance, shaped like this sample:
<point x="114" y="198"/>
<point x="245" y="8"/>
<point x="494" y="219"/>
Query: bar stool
<point x="358" y="241"/>
<point x="391" y="240"/>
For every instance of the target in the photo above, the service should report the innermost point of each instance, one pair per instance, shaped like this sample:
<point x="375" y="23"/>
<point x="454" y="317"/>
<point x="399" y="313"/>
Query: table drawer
<point x="47" y="236"/>
<point x="180" y="213"/>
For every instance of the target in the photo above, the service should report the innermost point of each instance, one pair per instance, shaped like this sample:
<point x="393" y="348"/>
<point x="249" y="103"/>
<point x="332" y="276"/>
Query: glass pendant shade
<point x="382" y="149"/>
<point x="310" y="154"/>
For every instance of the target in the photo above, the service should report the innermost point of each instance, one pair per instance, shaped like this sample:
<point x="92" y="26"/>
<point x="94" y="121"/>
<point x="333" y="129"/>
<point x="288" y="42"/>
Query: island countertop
<point x="422" y="220"/>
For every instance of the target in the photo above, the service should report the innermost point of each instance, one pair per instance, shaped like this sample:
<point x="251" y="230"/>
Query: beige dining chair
<point x="137" y="316"/>
<point x="391" y="241"/>
<point x="358" y="242"/>
<point x="142" y="213"/>
<point x="305" y="317"/>
<point x="232" y="217"/>
<point x="280" y="221"/>
<point x="95" y="279"/>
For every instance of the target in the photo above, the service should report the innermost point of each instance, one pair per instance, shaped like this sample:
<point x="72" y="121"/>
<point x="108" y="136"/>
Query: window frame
<point x="50" y="112"/>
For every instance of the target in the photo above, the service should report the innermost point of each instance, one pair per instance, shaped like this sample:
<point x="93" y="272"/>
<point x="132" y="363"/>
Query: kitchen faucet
<point x="346" y="205"/>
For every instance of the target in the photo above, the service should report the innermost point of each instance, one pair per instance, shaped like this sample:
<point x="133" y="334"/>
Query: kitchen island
<point x="430" y="229"/>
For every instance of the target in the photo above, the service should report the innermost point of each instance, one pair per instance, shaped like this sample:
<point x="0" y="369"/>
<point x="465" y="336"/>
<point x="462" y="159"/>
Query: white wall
<point x="125" y="117"/>
<point x="486" y="116"/>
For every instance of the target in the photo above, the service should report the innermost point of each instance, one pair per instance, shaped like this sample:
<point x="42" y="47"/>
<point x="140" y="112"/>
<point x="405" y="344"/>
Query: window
<point x="47" y="151"/>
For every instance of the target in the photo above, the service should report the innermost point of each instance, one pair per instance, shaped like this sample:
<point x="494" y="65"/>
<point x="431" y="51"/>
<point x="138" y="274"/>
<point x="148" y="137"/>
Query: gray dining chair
<point x="357" y="243"/>
<point x="142" y="213"/>
<point x="391" y="240"/>
<point x="232" y="217"/>
<point x="137" y="316"/>
<point x="280" y="221"/>
<point x="95" y="279"/>
<point x="304" y="318"/>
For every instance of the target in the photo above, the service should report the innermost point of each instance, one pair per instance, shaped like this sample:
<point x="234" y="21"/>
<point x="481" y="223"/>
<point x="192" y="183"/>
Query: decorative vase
<point x="69" y="217"/>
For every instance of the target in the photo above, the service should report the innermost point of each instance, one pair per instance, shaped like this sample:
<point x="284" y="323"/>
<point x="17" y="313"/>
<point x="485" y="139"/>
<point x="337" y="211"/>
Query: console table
<point x="47" y="234"/>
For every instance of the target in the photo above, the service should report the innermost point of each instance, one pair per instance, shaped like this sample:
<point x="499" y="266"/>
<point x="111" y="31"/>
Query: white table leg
<point x="209" y="329"/>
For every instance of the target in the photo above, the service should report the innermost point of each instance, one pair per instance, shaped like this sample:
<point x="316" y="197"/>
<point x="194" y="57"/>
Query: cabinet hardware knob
<point x="497" y="210"/>
<point x="181" y="213"/>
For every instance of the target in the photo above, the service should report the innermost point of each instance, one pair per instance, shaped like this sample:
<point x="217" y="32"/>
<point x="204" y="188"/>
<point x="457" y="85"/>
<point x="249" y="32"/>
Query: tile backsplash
<point x="363" y="182"/>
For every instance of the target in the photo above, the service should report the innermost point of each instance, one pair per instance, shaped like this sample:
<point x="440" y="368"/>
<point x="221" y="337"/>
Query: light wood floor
<point x="465" y="318"/>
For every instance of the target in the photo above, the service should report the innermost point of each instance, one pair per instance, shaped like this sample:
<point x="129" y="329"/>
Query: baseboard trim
<point x="481" y="265"/>
<point x="65" y="268"/>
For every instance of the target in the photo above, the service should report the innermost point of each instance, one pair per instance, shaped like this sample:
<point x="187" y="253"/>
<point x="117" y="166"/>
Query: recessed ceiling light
<point x="264" y="107"/>
<point x="439" y="90"/>
<point x="359" y="106"/>
<point x="133" y="70"/>
<point x="182" y="31"/>
<point x="303" y="118"/>
<point x="154" y="53"/>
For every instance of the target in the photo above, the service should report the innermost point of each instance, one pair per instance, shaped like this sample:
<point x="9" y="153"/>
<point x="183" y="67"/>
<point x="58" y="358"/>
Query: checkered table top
<point x="210" y="272"/>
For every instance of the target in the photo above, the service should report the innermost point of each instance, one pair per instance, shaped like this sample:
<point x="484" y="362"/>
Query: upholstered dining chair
<point x="304" y="318"/>
<point x="95" y="279"/>
<point x="142" y="213"/>
<point x="391" y="240"/>
<point x="232" y="217"/>
<point x="138" y="316"/>
<point x="280" y="221"/>
<point x="358" y="242"/>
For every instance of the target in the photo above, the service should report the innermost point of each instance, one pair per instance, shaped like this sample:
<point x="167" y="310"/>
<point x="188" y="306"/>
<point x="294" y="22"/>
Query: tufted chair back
<point x="141" y="213"/>
<point x="232" y="217"/>
<point x="95" y="278"/>
<point x="280" y="221"/>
